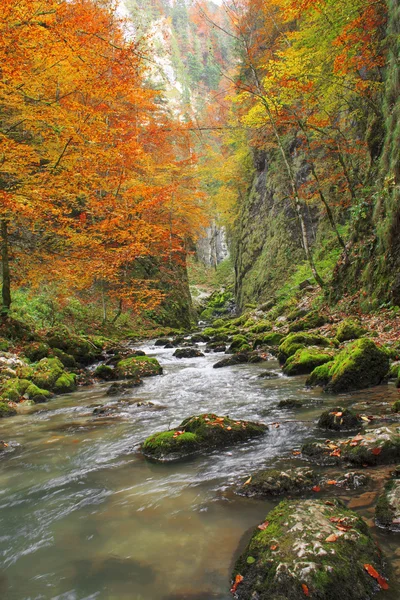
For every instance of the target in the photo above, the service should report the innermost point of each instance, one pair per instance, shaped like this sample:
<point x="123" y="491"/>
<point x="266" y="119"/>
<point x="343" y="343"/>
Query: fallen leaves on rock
<point x="305" y="589"/>
<point x="238" y="580"/>
<point x="263" y="526"/>
<point x="374" y="573"/>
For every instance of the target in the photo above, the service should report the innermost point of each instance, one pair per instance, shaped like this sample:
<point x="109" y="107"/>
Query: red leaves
<point x="331" y="482"/>
<point x="316" y="488"/>
<point x="374" y="573"/>
<point x="305" y="589"/>
<point x="376" y="451"/>
<point x="238" y="580"/>
<point x="178" y="433"/>
<point x="263" y="526"/>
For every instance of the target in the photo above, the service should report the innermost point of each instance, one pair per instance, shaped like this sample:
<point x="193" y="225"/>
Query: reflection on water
<point x="84" y="516"/>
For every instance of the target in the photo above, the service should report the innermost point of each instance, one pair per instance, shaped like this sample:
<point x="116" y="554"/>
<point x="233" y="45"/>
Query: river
<point x="84" y="516"/>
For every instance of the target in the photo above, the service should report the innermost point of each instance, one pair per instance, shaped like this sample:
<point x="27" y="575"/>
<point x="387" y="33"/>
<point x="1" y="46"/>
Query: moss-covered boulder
<point x="305" y="360"/>
<point x="349" y="330"/>
<point x="35" y="351"/>
<point x="339" y="419"/>
<point x="387" y="511"/>
<point x="49" y="374"/>
<point x="311" y="321"/>
<point x="360" y="365"/>
<point x="6" y="410"/>
<point x="261" y="327"/>
<point x="187" y="353"/>
<point x="396" y="406"/>
<point x="240" y="358"/>
<point x="137" y="367"/>
<point x="239" y="344"/>
<point x="295" y="341"/>
<point x="372" y="447"/>
<point x="271" y="339"/>
<point x="66" y="359"/>
<point x="276" y="483"/>
<point x="104" y="372"/>
<point x="308" y="548"/>
<point x="15" y="390"/>
<point x="83" y="350"/>
<point x="199" y="434"/>
<point x="162" y="342"/>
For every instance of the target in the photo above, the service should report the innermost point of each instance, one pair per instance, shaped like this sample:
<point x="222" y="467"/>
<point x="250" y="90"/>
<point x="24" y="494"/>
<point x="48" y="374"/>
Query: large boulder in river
<point x="309" y="548"/>
<point x="297" y="341"/>
<point x="275" y="482"/>
<point x="360" y="365"/>
<point x="187" y="353"/>
<point x="137" y="366"/>
<point x="240" y="358"/>
<point x="199" y="434"/>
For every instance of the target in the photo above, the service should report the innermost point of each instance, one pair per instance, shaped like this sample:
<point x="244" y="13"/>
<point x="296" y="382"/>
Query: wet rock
<point x="268" y="375"/>
<point x="275" y="483"/>
<point x="299" y="551"/>
<point x="199" y="434"/>
<point x="6" y="410"/>
<point x="374" y="447"/>
<point x="199" y="337"/>
<point x="387" y="511"/>
<point x="123" y="388"/>
<point x="187" y="353"/>
<point x="138" y="366"/>
<point x="360" y="365"/>
<point x="104" y="372"/>
<point x="239" y="359"/>
<point x="351" y="480"/>
<point x="305" y="360"/>
<point x="339" y="419"/>
<point x="169" y="345"/>
<point x="162" y="341"/>
<point x="239" y="344"/>
<point x="105" y="410"/>
<point x="290" y="403"/>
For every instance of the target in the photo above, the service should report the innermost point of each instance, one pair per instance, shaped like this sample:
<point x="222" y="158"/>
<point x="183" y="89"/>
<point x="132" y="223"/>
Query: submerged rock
<point x="187" y="353"/>
<point x="374" y="447"/>
<point x="239" y="359"/>
<point x="199" y="434"/>
<point x="308" y="548"/>
<point x="339" y="419"/>
<point x="268" y="375"/>
<point x="275" y="483"/>
<point x="123" y="388"/>
<point x="387" y="511"/>
<point x="360" y="365"/>
<point x="290" y="403"/>
<point x="104" y="372"/>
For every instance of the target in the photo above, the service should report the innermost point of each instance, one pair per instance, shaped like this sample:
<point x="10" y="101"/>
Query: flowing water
<point x="83" y="515"/>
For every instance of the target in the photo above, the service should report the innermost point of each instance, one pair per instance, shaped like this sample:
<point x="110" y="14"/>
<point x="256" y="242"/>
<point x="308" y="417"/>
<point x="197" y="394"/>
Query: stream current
<point x="84" y="516"/>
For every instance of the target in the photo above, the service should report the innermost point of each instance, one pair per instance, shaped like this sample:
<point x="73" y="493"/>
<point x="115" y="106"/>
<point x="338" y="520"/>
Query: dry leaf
<point x="316" y="488"/>
<point x="274" y="547"/>
<point x="305" y="589"/>
<point x="376" y="451"/>
<point x="331" y="482"/>
<point x="332" y="538"/>
<point x="263" y="525"/>
<point x="248" y="481"/>
<point x="238" y="579"/>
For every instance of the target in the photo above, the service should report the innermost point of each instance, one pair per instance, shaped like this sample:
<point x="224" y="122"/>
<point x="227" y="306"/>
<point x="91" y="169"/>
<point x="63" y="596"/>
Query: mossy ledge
<point x="199" y="434"/>
<point x="289" y="556"/>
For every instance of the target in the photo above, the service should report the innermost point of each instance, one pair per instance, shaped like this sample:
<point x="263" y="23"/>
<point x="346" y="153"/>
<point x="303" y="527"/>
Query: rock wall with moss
<point x="266" y="242"/>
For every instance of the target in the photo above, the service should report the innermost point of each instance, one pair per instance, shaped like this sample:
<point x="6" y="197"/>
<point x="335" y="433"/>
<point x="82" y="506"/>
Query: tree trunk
<point x="119" y="311"/>
<point x="6" y="288"/>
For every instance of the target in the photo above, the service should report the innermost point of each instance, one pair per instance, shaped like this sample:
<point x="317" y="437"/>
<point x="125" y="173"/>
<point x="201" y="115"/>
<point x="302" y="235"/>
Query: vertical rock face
<point x="267" y="239"/>
<point x="212" y="248"/>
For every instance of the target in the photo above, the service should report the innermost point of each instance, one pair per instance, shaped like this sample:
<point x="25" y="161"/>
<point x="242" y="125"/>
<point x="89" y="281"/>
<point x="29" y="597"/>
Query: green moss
<point x="199" y="434"/>
<point x="83" y="351"/>
<point x="320" y="375"/>
<point x="104" y="372"/>
<point x="361" y="365"/>
<point x="295" y="341"/>
<point x="310" y="321"/>
<point x="35" y="351"/>
<point x="138" y="366"/>
<point x="239" y="344"/>
<point x="15" y="389"/>
<point x="291" y="551"/>
<point x="384" y="511"/>
<point x="6" y="411"/>
<point x="349" y="330"/>
<point x="67" y="359"/>
<point x="4" y="345"/>
<point x="65" y="384"/>
<point x="396" y="406"/>
<point x="305" y="360"/>
<point x="261" y="327"/>
<point x="46" y="373"/>
<point x="270" y="339"/>
<point x="339" y="419"/>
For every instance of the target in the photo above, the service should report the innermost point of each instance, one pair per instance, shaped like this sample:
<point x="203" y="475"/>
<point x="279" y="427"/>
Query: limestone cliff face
<point x="267" y="241"/>
<point x="212" y="247"/>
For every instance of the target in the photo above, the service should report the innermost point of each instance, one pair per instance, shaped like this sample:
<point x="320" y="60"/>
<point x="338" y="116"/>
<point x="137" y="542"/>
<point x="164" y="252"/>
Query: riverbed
<point x="84" y="516"/>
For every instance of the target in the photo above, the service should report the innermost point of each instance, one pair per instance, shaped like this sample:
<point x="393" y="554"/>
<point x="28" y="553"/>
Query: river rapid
<point x="84" y="516"/>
